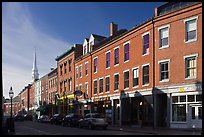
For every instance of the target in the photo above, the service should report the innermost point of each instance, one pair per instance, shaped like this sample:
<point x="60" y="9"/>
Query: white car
<point x="44" y="119"/>
<point x="92" y="120"/>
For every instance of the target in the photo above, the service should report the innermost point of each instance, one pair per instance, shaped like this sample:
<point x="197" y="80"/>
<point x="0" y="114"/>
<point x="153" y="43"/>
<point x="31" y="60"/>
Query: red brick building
<point x="146" y="76"/>
<point x="7" y="106"/>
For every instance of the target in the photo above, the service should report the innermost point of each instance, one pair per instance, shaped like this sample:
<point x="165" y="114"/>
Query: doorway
<point x="196" y="116"/>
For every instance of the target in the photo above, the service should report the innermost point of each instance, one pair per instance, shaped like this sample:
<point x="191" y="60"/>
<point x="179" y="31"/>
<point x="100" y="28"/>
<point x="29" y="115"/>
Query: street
<point x="35" y="128"/>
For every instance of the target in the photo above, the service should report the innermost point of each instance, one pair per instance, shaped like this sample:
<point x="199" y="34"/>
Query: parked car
<point x="28" y="117"/>
<point x="92" y="120"/>
<point x="71" y="120"/>
<point x="44" y="119"/>
<point x="56" y="119"/>
<point x="19" y="117"/>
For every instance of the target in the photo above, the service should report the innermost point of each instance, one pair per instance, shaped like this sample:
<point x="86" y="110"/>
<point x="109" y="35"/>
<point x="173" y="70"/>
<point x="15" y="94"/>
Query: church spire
<point x="35" y="74"/>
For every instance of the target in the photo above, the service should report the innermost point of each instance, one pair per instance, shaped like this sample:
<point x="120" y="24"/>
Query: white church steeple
<point x="35" y="74"/>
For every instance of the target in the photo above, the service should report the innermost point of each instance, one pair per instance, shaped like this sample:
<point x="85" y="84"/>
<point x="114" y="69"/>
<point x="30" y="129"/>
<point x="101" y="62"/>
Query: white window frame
<point x="114" y="81"/>
<point x="124" y="51"/>
<point x="80" y="70"/>
<point x="97" y="64"/>
<point x="162" y="61"/>
<point x="96" y="86"/>
<point x="76" y="71"/>
<point x="118" y="47"/>
<point x="99" y="85"/>
<point x="138" y="77"/>
<point x="109" y="83"/>
<point x="190" y="56"/>
<point x="148" y="64"/>
<point x="186" y="20"/>
<point x="143" y="43"/>
<point x="110" y="58"/>
<point x="128" y="70"/>
<point x="85" y="68"/>
<point x="160" y="28"/>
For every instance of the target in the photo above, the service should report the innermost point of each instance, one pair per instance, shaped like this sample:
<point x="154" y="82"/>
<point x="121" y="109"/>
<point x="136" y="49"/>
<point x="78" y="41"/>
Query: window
<point x="70" y="85"/>
<point x="95" y="87"/>
<point x="87" y="47"/>
<point x="164" y="37"/>
<point x="145" y="74"/>
<point x="80" y="71"/>
<point x="69" y="61"/>
<point x="100" y="85"/>
<point x="108" y="60"/>
<point x="107" y="84"/>
<point x="86" y="88"/>
<point x="86" y="68"/>
<point x="191" y="26"/>
<point x="179" y="112"/>
<point x="65" y="85"/>
<point x="190" y="64"/>
<point x="80" y="87"/>
<point x="76" y="72"/>
<point x="116" y="56"/>
<point x="135" y="74"/>
<point x="126" y="52"/>
<point x="145" y="44"/>
<point x="76" y="87"/>
<point x="126" y="79"/>
<point x="164" y="70"/>
<point x="116" y="82"/>
<point x="84" y="49"/>
<point x="65" y="67"/>
<point x="95" y="64"/>
<point x="60" y="87"/>
<point x="61" y="69"/>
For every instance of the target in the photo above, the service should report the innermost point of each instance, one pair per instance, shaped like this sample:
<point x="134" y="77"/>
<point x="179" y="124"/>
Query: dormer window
<point x="84" y="49"/>
<point x="85" y="46"/>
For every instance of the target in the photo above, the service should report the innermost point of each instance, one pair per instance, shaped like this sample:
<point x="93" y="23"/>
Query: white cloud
<point x="19" y="38"/>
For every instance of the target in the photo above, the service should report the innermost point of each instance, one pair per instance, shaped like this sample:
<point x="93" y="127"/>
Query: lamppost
<point x="11" y="123"/>
<point x="11" y="96"/>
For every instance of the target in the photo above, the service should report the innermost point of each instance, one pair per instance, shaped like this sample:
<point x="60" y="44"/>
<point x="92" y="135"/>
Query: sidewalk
<point x="157" y="131"/>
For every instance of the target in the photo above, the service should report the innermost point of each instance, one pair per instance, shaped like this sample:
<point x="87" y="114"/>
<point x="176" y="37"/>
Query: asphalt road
<point x="35" y="128"/>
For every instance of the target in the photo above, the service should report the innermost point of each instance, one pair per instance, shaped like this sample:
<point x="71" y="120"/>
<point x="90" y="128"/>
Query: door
<point x="196" y="116"/>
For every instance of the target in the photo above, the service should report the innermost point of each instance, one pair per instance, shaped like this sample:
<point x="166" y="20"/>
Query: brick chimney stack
<point x="113" y="29"/>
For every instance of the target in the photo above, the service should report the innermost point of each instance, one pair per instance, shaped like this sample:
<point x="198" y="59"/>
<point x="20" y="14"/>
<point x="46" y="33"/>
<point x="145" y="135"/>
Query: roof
<point x="65" y="54"/>
<point x="98" y="37"/>
<point x="174" y="6"/>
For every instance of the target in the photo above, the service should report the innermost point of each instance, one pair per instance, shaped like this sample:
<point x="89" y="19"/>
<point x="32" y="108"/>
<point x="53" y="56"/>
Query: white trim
<point x="145" y="33"/>
<point x="145" y="85"/>
<point x="191" y="18"/>
<point x="164" y="60"/>
<point x="95" y="58"/>
<point x="127" y="61"/>
<point x="108" y="68"/>
<point x="107" y="76"/>
<point x="145" y="64"/>
<point x="101" y="78"/>
<point x="116" y="48"/>
<point x="165" y="80"/>
<point x="86" y="62"/>
<point x="117" y="65"/>
<point x="126" y="70"/>
<point x="85" y="68"/>
<point x="192" y="55"/>
<point x="108" y="51"/>
<point x="126" y="43"/>
<point x="166" y="46"/>
<point x="116" y="74"/>
<point x="81" y="70"/>
<point x="186" y="20"/>
<point x="135" y="68"/>
<point x="95" y="80"/>
<point x="86" y="83"/>
<point x="165" y="26"/>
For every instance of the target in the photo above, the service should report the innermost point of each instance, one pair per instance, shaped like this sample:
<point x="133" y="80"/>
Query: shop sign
<point x="102" y="99"/>
<point x="181" y="89"/>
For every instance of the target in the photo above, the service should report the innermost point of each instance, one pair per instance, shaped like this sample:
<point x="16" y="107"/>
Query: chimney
<point x="113" y="29"/>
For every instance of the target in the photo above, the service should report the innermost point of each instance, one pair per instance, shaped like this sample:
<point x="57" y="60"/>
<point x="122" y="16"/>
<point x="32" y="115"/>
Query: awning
<point x="67" y="96"/>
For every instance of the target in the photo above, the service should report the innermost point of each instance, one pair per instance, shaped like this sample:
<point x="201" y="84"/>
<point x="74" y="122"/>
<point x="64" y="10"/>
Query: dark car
<point x="44" y="119"/>
<point x="56" y="119"/>
<point x="28" y="117"/>
<point x="92" y="120"/>
<point x="19" y="117"/>
<point x="71" y="120"/>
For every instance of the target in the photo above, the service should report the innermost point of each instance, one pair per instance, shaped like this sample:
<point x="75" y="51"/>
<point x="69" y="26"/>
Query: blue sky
<point x="52" y="28"/>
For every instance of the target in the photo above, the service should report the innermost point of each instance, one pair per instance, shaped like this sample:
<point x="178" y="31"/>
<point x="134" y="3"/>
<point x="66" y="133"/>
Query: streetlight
<point x="11" y="123"/>
<point x="11" y="96"/>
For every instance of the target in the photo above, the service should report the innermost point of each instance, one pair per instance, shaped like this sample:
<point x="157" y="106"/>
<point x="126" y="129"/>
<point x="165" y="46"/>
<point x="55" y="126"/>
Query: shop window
<point x="175" y="99"/>
<point x="179" y="112"/>
<point x="191" y="98"/>
<point x="199" y="97"/>
<point x="182" y="98"/>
